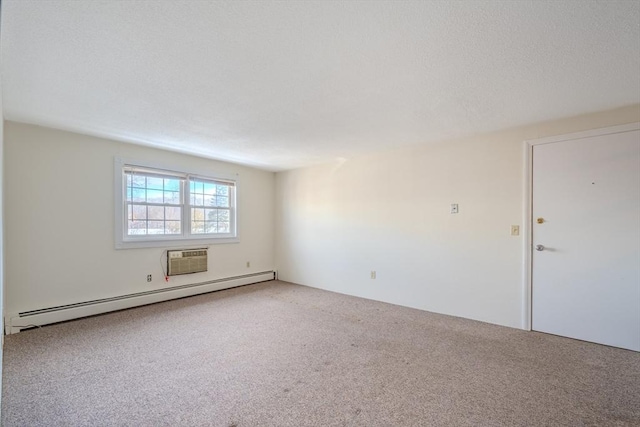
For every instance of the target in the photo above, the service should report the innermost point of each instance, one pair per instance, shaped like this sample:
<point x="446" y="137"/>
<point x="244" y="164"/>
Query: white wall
<point x="334" y="223"/>
<point x="59" y="220"/>
<point x="389" y="212"/>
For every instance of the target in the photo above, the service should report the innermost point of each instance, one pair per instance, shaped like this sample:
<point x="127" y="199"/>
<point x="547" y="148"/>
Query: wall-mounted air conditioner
<point x="186" y="261"/>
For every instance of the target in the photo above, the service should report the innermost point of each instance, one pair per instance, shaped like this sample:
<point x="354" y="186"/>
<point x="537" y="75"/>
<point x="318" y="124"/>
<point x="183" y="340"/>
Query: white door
<point x="586" y="239"/>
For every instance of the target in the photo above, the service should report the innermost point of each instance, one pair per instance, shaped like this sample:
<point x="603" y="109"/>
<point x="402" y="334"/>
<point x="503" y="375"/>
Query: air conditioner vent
<point x="186" y="261"/>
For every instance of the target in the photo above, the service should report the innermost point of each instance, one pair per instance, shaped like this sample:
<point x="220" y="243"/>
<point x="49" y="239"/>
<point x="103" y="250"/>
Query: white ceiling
<point x="280" y="85"/>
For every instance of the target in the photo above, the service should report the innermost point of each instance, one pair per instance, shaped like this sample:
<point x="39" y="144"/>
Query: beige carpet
<point x="277" y="354"/>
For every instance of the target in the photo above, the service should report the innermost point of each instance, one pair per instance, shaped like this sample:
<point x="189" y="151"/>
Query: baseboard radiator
<point x="45" y="316"/>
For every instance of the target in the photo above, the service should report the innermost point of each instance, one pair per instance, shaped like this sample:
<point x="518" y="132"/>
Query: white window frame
<point x="124" y="241"/>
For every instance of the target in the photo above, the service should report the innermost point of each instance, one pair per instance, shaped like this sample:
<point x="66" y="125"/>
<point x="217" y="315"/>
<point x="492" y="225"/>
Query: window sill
<point x="175" y="243"/>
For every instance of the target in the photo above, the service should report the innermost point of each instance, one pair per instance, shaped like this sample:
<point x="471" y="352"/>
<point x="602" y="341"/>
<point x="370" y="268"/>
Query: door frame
<point x="527" y="282"/>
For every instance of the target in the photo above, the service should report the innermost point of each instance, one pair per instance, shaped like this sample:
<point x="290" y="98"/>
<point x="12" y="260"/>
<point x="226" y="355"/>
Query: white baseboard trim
<point x="16" y="322"/>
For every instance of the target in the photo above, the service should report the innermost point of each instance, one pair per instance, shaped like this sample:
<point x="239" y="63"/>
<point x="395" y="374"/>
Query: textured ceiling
<point x="280" y="85"/>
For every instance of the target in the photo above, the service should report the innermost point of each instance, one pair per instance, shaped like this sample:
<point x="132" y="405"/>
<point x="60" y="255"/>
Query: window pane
<point x="155" y="183"/>
<point x="139" y="195"/>
<point x="156" y="227"/>
<point x="198" y="200"/>
<point x="197" y="214"/>
<point x="210" y="214"/>
<point x="223" y="227"/>
<point x="172" y="184"/>
<point x="224" y="215"/>
<point x="222" y="201"/>
<point x="209" y="188"/>
<point x="172" y="227"/>
<point x="129" y="212"/>
<point x="154" y="196"/>
<point x="209" y="200"/>
<point x="197" y="227"/>
<point x="137" y="228"/>
<point x="128" y="194"/>
<point x="222" y="190"/>
<point x="173" y="213"/>
<point x="139" y="212"/>
<point x="172" y="197"/>
<point x="156" y="212"/>
<point x="138" y="181"/>
<point x="211" y="227"/>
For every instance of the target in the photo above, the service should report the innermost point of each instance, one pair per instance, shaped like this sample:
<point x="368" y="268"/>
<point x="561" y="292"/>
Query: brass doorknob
<point x="540" y="220"/>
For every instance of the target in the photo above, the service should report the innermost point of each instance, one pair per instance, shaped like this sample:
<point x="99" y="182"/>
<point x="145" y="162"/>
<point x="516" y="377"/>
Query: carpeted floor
<point x="277" y="354"/>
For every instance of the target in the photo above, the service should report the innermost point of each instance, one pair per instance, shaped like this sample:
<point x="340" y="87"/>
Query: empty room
<point x="320" y="213"/>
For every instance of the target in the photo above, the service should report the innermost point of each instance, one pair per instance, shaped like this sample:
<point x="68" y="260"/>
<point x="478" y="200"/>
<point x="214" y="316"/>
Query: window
<point x="153" y="203"/>
<point x="157" y="206"/>
<point x="210" y="203"/>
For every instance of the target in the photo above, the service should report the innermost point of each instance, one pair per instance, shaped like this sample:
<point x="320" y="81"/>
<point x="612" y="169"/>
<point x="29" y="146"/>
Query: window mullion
<point x="186" y="206"/>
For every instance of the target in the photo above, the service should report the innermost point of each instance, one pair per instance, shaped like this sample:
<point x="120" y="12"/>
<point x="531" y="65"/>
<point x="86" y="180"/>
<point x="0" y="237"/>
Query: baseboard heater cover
<point x="45" y="316"/>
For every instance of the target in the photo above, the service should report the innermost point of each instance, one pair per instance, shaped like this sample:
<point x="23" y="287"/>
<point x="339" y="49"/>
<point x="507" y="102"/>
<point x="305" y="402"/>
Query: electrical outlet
<point x="515" y="230"/>
<point x="248" y="264"/>
<point x="454" y="208"/>
<point x="373" y="274"/>
<point x="149" y="278"/>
